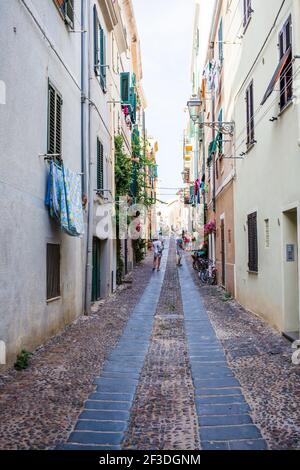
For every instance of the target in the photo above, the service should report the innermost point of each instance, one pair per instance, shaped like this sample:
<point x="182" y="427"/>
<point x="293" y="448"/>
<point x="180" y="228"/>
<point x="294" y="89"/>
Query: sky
<point x="166" y="34"/>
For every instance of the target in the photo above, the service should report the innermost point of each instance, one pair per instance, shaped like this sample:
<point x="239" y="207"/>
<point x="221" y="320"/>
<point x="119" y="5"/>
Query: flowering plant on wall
<point x="210" y="227"/>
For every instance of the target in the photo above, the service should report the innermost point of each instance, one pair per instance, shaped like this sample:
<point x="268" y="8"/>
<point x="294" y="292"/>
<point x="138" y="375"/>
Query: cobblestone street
<point x="164" y="364"/>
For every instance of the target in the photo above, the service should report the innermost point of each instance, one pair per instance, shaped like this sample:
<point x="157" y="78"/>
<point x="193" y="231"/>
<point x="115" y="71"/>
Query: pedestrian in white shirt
<point x="157" y="248"/>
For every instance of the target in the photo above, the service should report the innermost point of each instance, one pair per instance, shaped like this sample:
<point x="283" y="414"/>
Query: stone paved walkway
<point x="104" y="419"/>
<point x="167" y="385"/>
<point x="224" y="416"/>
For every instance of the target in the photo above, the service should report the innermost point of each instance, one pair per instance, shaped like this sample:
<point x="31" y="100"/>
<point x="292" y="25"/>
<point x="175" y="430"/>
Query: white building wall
<point x="27" y="63"/>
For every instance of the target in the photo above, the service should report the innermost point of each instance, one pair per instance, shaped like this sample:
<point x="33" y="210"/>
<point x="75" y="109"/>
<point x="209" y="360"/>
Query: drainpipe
<point x="297" y="55"/>
<point x="86" y="155"/>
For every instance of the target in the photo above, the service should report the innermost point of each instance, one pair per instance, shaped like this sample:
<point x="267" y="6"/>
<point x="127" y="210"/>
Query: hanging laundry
<point x="72" y="191"/>
<point x="54" y="190"/>
<point x="63" y="199"/>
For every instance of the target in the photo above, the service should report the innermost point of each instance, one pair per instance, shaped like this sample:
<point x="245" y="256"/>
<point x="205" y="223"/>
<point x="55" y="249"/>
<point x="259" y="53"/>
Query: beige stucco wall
<point x="267" y="178"/>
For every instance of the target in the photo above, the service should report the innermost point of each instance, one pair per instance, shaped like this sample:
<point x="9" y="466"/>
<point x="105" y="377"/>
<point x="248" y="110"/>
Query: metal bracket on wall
<point x="223" y="127"/>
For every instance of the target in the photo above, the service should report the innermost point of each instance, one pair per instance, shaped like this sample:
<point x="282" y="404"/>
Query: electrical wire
<point x="50" y="44"/>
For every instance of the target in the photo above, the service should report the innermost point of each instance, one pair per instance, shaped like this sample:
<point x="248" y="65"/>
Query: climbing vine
<point x="123" y="179"/>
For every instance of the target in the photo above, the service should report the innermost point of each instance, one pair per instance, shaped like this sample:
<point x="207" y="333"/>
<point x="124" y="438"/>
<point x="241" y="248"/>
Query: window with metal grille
<point x="250" y="115"/>
<point x="54" y="122"/>
<point x="252" y="243"/>
<point x="100" y="166"/>
<point x="286" y="76"/>
<point x="247" y="12"/>
<point x="53" y="271"/>
<point x="99" y="51"/>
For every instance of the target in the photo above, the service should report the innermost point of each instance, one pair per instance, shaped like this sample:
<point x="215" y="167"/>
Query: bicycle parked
<point x="199" y="261"/>
<point x="209" y="274"/>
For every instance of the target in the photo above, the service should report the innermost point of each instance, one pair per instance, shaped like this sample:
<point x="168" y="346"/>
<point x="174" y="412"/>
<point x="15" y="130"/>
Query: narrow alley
<point x="183" y="372"/>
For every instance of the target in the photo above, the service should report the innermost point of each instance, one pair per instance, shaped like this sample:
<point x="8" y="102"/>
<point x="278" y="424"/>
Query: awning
<point x="276" y="75"/>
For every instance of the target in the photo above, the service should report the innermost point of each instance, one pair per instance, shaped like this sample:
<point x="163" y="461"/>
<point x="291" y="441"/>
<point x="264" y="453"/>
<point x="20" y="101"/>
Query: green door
<point x="96" y="270"/>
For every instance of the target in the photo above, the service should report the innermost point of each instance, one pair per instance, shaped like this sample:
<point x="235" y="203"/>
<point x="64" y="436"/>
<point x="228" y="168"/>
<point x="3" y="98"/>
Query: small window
<point x="267" y="233"/>
<point x="53" y="271"/>
<point x="99" y="51"/>
<point x="252" y="243"/>
<point x="100" y="166"/>
<point x="247" y="12"/>
<point x="54" y="122"/>
<point x="250" y="115"/>
<point x="286" y="76"/>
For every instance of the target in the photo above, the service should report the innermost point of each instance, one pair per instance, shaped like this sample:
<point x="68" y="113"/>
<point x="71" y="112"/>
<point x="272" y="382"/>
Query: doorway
<point x="223" y="263"/>
<point x="291" y="274"/>
<point x="96" y="283"/>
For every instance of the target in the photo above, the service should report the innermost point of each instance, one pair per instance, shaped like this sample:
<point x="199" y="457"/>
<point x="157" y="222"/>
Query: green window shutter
<point x="96" y="42"/>
<point x="54" y="121"/>
<point x="100" y="162"/>
<point x="133" y="103"/>
<point x="125" y="82"/>
<point x="102" y="59"/>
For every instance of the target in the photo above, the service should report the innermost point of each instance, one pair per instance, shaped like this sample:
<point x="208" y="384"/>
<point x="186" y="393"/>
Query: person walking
<point x="157" y="248"/>
<point x="179" y="250"/>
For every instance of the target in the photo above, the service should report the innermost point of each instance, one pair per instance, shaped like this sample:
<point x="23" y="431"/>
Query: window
<point x="125" y="87"/>
<point x="267" y="233"/>
<point x="99" y="51"/>
<point x="54" y="122"/>
<point x="250" y="115"/>
<point x="100" y="158"/>
<point x="220" y="42"/>
<point x="247" y="12"/>
<point x="53" y="271"/>
<point x="66" y="8"/>
<point x="286" y="75"/>
<point x="252" y="243"/>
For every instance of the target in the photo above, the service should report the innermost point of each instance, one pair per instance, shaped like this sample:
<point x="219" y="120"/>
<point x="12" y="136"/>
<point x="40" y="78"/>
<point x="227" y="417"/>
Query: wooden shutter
<point x="252" y="242"/>
<point x="69" y="12"/>
<point x="96" y="42"/>
<point x="51" y="120"/>
<point x="247" y="11"/>
<point x="53" y="271"/>
<point x="102" y="59"/>
<point x="286" y="77"/>
<point x="125" y="86"/>
<point x="54" y="121"/>
<point x="100" y="169"/>
<point x="250" y="114"/>
<point x="220" y="40"/>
